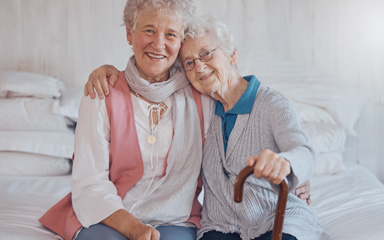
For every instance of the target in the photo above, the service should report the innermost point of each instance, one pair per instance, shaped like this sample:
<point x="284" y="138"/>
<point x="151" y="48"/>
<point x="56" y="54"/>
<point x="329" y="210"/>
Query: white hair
<point x="207" y="24"/>
<point x="184" y="10"/>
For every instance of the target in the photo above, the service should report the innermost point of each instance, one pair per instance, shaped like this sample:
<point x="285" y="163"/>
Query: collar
<point x="245" y="103"/>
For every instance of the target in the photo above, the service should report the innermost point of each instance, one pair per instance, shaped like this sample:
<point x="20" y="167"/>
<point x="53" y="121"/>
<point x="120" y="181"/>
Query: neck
<point x="231" y="93"/>
<point x="154" y="79"/>
<point x="141" y="97"/>
<point x="157" y="79"/>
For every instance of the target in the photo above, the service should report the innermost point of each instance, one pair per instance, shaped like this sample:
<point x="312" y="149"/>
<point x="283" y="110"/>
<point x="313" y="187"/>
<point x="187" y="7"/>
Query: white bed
<point x="36" y="143"/>
<point x="24" y="200"/>
<point x="349" y="204"/>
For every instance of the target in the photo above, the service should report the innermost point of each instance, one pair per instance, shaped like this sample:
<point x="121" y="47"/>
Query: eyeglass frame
<point x="193" y="59"/>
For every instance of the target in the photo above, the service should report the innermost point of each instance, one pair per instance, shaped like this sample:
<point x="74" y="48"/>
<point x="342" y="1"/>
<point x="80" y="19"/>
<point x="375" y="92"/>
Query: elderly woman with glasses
<point x="138" y="152"/>
<point x="254" y="125"/>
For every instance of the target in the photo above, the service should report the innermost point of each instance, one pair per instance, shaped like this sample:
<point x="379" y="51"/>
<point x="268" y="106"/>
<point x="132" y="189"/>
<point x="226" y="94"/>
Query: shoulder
<point x="208" y="111"/>
<point x="91" y="107"/>
<point x="120" y="86"/>
<point x="88" y="103"/>
<point x="118" y="93"/>
<point x="270" y="98"/>
<point x="273" y="106"/>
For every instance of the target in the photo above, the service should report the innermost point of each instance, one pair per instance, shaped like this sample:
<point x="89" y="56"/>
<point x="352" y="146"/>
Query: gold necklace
<point x="154" y="108"/>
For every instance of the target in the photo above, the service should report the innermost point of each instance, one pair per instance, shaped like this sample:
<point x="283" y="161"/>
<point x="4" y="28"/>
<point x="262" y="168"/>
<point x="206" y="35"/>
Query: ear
<point x="129" y="36"/>
<point x="234" y="57"/>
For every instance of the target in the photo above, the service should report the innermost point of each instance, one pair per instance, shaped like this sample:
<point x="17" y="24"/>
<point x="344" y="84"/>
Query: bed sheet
<point x="350" y="204"/>
<point x="25" y="199"/>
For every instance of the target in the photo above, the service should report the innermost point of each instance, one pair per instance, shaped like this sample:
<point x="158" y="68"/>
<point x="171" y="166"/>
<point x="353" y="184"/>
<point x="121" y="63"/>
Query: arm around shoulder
<point x="99" y="79"/>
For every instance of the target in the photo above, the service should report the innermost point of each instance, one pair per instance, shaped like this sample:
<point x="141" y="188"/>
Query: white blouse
<point x="91" y="166"/>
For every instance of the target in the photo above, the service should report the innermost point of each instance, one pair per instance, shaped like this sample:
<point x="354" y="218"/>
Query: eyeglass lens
<point x="204" y="56"/>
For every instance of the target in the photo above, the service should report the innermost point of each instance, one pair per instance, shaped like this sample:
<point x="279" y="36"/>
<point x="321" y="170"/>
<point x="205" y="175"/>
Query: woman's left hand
<point x="303" y="192"/>
<point x="270" y="165"/>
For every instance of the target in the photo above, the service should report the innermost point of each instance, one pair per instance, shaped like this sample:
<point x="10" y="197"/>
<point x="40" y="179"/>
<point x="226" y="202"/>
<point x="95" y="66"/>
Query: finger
<point x="86" y="93"/>
<point x="304" y="196"/>
<point x="113" y="77"/>
<point x="251" y="161"/>
<point x="270" y="165"/>
<point x="89" y="87"/>
<point x="98" y="88"/>
<point x="275" y="173"/>
<point x="305" y="187"/>
<point x="155" y="235"/>
<point x="285" y="170"/>
<point x="309" y="201"/>
<point x="283" y="173"/>
<point x="301" y="190"/>
<point x="104" y="86"/>
<point x="145" y="235"/>
<point x="259" y="167"/>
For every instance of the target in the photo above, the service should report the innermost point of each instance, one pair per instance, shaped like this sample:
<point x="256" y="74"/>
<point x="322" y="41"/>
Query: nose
<point x="158" y="42"/>
<point x="199" y="65"/>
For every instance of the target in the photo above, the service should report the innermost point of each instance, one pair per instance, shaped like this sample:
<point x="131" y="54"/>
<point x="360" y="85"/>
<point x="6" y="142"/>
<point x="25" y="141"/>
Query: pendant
<point x="151" y="139"/>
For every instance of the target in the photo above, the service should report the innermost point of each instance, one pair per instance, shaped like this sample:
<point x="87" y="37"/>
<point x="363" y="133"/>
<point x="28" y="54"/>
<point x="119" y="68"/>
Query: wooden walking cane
<point x="281" y="202"/>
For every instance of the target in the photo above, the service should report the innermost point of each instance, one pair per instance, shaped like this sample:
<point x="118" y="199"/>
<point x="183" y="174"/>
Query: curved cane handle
<point x="281" y="202"/>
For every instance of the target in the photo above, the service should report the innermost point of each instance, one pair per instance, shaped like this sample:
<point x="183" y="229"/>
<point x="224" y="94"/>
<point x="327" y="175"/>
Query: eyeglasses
<point x="204" y="56"/>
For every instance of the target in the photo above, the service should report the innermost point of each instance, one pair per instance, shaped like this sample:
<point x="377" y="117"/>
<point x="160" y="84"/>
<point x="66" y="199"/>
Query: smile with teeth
<point x="206" y="76"/>
<point x="155" y="56"/>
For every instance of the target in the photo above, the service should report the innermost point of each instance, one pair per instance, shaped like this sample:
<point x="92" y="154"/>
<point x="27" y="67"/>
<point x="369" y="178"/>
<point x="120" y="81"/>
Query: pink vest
<point x="61" y="218"/>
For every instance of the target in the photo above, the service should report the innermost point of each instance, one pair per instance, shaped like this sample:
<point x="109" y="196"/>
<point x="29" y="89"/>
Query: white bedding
<point x="350" y="204"/>
<point x="23" y="200"/>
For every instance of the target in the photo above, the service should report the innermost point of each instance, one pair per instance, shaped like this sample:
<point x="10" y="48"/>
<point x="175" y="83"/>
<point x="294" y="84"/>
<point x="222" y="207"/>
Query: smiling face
<point x="211" y="77"/>
<point x="156" y="42"/>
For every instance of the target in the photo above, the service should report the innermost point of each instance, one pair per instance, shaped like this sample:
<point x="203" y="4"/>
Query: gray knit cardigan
<point x="272" y="124"/>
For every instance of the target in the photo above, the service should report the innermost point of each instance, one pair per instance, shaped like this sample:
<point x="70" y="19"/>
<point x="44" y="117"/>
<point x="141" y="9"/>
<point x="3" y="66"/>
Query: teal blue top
<point x="243" y="106"/>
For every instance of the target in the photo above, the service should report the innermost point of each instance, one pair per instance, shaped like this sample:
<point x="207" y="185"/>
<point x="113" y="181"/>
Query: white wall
<point x="68" y="39"/>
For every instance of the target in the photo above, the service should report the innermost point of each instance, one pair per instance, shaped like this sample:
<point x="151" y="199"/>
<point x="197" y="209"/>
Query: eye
<point x="188" y="63"/>
<point x="171" y="35"/>
<point x="149" y="31"/>
<point x="205" y="55"/>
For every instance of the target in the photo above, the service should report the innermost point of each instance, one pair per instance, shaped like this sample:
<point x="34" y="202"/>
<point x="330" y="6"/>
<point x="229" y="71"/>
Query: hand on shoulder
<point x="99" y="79"/>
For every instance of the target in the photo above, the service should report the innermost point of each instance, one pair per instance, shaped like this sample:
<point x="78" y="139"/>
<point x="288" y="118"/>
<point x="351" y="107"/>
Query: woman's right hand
<point x="99" y="80"/>
<point x="144" y="232"/>
<point x="131" y="227"/>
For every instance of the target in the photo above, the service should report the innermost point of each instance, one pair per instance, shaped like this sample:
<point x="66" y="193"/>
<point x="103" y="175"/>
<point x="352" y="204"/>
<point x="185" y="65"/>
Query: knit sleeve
<point x="291" y="140"/>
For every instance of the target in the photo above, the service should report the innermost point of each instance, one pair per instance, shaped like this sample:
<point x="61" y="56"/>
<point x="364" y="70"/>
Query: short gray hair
<point x="184" y="10"/>
<point x="207" y="24"/>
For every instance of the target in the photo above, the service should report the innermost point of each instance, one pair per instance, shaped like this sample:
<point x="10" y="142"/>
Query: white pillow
<point x="58" y="144"/>
<point x="341" y="102"/>
<point x="303" y="84"/>
<point x="329" y="163"/>
<point x="310" y="113"/>
<point x="30" y="114"/>
<point x="27" y="84"/>
<point x="70" y="103"/>
<point x="325" y="137"/>
<point x="29" y="164"/>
